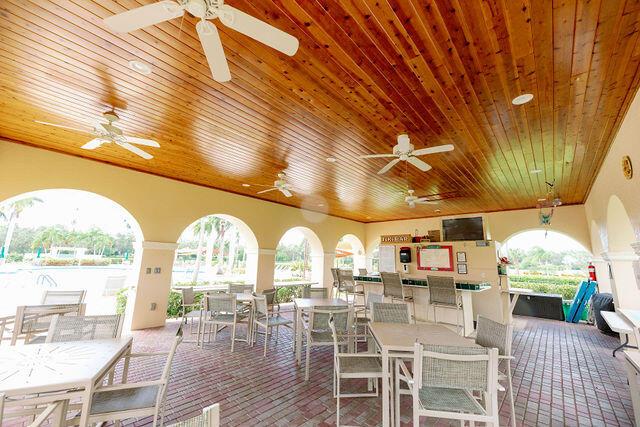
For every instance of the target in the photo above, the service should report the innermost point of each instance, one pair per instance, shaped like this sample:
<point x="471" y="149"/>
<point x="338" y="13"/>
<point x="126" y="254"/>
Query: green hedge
<point x="567" y="291"/>
<point x="551" y="280"/>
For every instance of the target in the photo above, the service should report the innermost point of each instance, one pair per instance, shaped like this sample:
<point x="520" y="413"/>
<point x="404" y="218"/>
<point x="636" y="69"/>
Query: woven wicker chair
<point x="363" y="317"/>
<point x="443" y="294"/>
<point x="349" y="287"/>
<point x="210" y="417"/>
<point x="63" y="297"/>
<point x="263" y="317"/>
<point x="190" y="309"/>
<point x="309" y="292"/>
<point x="491" y="334"/>
<point x="32" y="322"/>
<point x="318" y="332"/>
<point x="394" y="289"/>
<point x="352" y="365"/>
<point x="134" y="400"/>
<point x="239" y="288"/>
<point x="445" y="379"/>
<point x="84" y="328"/>
<point x="219" y="310"/>
<point x="387" y="312"/>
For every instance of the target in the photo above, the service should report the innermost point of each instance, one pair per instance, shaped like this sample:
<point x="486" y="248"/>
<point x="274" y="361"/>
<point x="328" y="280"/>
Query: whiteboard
<point x="387" y="262"/>
<point x="435" y="258"/>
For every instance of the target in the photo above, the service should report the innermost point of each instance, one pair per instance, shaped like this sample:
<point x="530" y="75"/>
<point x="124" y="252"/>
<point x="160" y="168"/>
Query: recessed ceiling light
<point x="368" y="217"/>
<point x="140" y="67"/>
<point x="320" y="205"/>
<point x="522" y="99"/>
<point x="437" y="211"/>
<point x="331" y="159"/>
<point x="535" y="171"/>
<point x="246" y="185"/>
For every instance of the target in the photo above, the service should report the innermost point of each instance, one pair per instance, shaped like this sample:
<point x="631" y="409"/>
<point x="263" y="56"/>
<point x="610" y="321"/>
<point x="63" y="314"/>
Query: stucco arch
<point x="568" y="236"/>
<point x="620" y="233"/>
<point x="359" y="253"/>
<point x="317" y="252"/>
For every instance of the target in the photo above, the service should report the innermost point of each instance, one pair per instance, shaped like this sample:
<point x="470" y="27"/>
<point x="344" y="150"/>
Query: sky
<point x="553" y="241"/>
<point x="75" y="209"/>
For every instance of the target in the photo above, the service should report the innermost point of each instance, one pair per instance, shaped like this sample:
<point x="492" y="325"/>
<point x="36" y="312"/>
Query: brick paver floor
<point x="563" y="374"/>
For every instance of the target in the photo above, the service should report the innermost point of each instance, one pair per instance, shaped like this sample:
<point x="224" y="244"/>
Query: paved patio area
<point x="564" y="374"/>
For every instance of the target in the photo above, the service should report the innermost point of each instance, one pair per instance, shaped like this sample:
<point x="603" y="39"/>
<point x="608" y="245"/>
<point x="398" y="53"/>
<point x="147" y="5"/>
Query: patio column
<point x="265" y="269"/>
<point x="147" y="302"/>
<point x="329" y="260"/>
<point x="602" y="272"/>
<point x="625" y="283"/>
<point x="318" y="267"/>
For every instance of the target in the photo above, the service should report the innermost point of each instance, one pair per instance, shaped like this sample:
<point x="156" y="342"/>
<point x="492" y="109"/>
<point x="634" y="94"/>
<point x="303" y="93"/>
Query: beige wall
<point x="164" y="208"/>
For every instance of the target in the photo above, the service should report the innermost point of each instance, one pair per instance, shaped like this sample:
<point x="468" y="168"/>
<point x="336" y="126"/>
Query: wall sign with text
<point x="396" y="238"/>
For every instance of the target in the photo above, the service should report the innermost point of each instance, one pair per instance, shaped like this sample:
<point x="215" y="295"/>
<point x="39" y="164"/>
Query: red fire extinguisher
<point x="592" y="272"/>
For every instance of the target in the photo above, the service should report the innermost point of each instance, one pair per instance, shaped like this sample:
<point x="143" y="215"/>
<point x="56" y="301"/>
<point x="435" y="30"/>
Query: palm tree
<point x="199" y="229"/>
<point x="12" y="214"/>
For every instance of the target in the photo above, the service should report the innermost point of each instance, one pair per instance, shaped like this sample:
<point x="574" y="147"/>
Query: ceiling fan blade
<point x="63" y="126"/>
<point x="423" y="166"/>
<point x="144" y="16"/>
<point x="93" y="144"/>
<point x="259" y="30"/>
<point x="412" y="205"/>
<point x="213" y="50"/>
<point x="425" y="201"/>
<point x="391" y="164"/>
<point x="376" y="156"/>
<point x="136" y="150"/>
<point x="286" y="192"/>
<point x="142" y="141"/>
<point x="433" y="150"/>
<point x="267" y="190"/>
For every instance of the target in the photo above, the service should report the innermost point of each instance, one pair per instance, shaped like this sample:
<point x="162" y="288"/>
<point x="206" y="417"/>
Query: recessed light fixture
<point x="140" y="67"/>
<point x="368" y="217"/>
<point x="320" y="205"/>
<point x="437" y="211"/>
<point x="331" y="159"/>
<point x="535" y="171"/>
<point x="522" y="99"/>
<point x="246" y="185"/>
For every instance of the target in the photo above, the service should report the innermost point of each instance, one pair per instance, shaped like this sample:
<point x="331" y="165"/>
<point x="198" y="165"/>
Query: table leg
<point x="86" y="406"/>
<point x="632" y="375"/>
<point x="385" y="390"/>
<point x="298" y="335"/>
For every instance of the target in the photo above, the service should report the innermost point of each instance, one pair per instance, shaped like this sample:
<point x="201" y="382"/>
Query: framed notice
<point x="462" y="268"/>
<point x="435" y="258"/>
<point x="461" y="256"/>
<point x="387" y="261"/>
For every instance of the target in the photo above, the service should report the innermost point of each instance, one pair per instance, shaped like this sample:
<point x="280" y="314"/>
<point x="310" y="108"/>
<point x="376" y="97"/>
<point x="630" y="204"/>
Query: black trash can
<point x="602" y="302"/>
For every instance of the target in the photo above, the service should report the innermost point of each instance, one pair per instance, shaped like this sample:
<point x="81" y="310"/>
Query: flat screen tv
<point x="462" y="229"/>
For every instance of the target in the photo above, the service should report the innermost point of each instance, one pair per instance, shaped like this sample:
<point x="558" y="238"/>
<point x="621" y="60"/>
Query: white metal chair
<point x="363" y="317"/>
<point x="134" y="400"/>
<point x="317" y="330"/>
<point x="190" y="307"/>
<point x="263" y="317"/>
<point x="84" y="328"/>
<point x="63" y="297"/>
<point x="443" y="294"/>
<point x="388" y="312"/>
<point x="352" y="365"/>
<point x="32" y="322"/>
<point x="309" y="292"/>
<point x="445" y="379"/>
<point x="239" y="288"/>
<point x="219" y="310"/>
<point x="349" y="287"/>
<point x="210" y="417"/>
<point x="491" y="334"/>
<point x="393" y="288"/>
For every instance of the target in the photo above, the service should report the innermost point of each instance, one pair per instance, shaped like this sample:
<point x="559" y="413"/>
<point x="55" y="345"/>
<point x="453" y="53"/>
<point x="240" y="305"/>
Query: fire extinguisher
<point x="592" y="272"/>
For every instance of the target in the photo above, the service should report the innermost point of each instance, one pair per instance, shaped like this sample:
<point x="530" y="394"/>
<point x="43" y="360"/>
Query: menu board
<point x="387" y="261"/>
<point x="435" y="258"/>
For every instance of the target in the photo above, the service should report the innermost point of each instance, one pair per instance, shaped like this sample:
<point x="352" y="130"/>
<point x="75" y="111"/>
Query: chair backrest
<point x="362" y="271"/>
<point x="391" y="284"/>
<point x="319" y="317"/>
<point x="166" y="371"/>
<point x="36" y="319"/>
<point x="260" y="304"/>
<point x="221" y="303"/>
<point x="63" y="297"/>
<point x="239" y="288"/>
<point x="442" y="290"/>
<point x="188" y="296"/>
<point x="271" y="295"/>
<point x="386" y="312"/>
<point x="465" y="368"/>
<point x="210" y="417"/>
<point x="492" y="334"/>
<point x="336" y="331"/>
<point x="334" y="273"/>
<point x="84" y="328"/>
<point x="345" y="278"/>
<point x="309" y="292"/>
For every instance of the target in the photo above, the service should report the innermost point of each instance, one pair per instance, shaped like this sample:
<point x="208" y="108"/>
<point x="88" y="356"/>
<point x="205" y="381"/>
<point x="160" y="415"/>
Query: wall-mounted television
<point x="462" y="229"/>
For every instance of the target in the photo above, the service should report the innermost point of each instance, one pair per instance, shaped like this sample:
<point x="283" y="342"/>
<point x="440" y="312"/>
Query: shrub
<point x="567" y="291"/>
<point x="12" y="257"/>
<point x="552" y="280"/>
<point x="174" y="307"/>
<point x="288" y="293"/>
<point x="57" y="262"/>
<point x="116" y="261"/>
<point x="94" y="261"/>
<point x="121" y="300"/>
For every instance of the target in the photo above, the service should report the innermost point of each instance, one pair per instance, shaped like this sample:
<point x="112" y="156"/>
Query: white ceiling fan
<point x="279" y="184"/>
<point x="412" y="200"/>
<point x="231" y="17"/>
<point x="106" y="133"/>
<point x="404" y="151"/>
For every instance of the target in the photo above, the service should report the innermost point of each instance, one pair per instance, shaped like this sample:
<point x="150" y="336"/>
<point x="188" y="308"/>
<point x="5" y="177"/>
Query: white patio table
<point x="57" y="368"/>
<point x="306" y="304"/>
<point x="397" y="340"/>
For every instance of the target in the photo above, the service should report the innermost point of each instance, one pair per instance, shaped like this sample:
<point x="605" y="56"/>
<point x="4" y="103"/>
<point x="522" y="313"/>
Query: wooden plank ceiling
<point x="444" y="71"/>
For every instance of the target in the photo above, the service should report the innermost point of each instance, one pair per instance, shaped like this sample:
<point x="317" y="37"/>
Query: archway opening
<point x="62" y="239"/>
<point x="620" y="234"/>
<point x="299" y="256"/>
<point x="350" y="253"/>
<point x="216" y="249"/>
<point x="546" y="262"/>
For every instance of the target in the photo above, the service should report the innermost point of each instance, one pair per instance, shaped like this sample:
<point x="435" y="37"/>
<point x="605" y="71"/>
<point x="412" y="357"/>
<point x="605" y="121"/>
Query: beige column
<point x="625" y="283"/>
<point x="602" y="273"/>
<point x="265" y="269"/>
<point x="147" y="301"/>
<point x="328" y="262"/>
